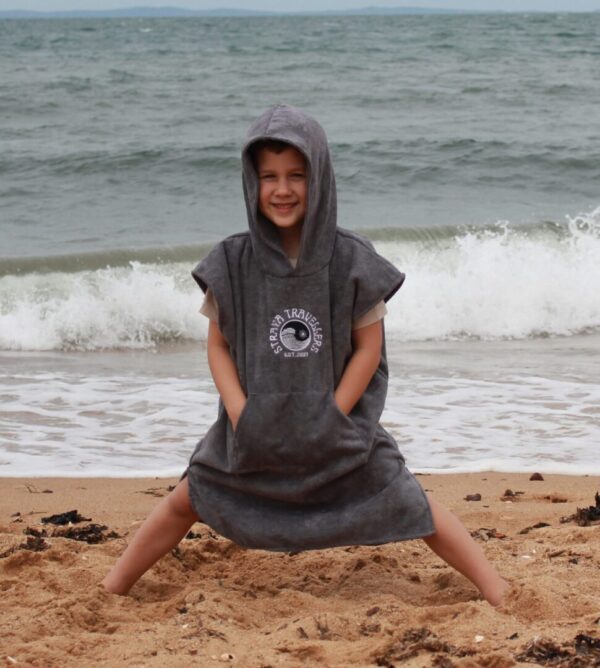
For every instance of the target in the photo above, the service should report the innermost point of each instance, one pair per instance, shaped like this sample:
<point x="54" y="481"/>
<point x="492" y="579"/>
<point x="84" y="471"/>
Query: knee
<point x="179" y="501"/>
<point x="434" y="506"/>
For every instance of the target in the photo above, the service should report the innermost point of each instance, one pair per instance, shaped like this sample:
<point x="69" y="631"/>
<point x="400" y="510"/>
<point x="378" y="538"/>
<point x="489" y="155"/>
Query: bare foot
<point x="113" y="586"/>
<point x="496" y="593"/>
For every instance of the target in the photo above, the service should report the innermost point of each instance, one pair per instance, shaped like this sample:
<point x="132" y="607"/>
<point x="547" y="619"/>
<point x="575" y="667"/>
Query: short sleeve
<point x="209" y="306"/>
<point x="375" y="278"/>
<point x="377" y="313"/>
<point x="212" y="274"/>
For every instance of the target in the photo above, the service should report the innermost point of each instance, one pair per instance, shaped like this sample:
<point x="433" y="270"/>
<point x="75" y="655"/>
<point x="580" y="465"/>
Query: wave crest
<point x="498" y="283"/>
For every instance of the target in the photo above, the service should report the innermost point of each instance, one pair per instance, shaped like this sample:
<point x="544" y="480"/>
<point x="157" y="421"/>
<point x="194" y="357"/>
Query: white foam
<point x="497" y="284"/>
<point x="451" y="406"/>
<point x="81" y="424"/>
<point x="126" y="307"/>
<point x="505" y="422"/>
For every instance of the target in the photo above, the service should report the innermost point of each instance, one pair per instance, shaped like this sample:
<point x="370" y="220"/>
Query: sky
<point x="304" y="5"/>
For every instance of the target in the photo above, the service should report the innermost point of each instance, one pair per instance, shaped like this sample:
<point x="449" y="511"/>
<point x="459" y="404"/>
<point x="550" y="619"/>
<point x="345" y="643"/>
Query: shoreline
<point x="547" y="469"/>
<point x="136" y="496"/>
<point x="396" y="603"/>
<point x="451" y="406"/>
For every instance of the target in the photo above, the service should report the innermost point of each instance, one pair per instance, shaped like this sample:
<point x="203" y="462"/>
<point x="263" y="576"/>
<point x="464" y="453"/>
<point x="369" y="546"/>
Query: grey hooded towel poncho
<point x="297" y="473"/>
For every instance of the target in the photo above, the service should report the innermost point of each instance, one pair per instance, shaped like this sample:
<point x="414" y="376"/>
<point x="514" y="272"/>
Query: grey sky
<point x="299" y="5"/>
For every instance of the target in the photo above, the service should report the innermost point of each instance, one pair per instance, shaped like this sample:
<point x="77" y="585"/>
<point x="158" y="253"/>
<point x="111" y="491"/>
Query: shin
<point x="164" y="528"/>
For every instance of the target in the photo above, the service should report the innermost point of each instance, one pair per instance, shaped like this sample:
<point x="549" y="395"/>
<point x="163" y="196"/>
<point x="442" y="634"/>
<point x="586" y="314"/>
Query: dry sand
<point x="392" y="605"/>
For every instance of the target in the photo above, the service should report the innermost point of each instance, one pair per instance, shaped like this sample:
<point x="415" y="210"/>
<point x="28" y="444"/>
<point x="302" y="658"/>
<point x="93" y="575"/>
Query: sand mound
<point x="211" y="602"/>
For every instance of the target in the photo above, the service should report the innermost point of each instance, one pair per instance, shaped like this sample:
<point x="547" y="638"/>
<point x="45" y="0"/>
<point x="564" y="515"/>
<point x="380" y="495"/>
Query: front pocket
<point x="296" y="432"/>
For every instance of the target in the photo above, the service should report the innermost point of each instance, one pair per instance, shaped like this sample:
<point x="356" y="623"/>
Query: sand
<point x="212" y="603"/>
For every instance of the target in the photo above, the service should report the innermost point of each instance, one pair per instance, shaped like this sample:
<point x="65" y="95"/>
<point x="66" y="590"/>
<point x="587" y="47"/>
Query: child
<point x="297" y="458"/>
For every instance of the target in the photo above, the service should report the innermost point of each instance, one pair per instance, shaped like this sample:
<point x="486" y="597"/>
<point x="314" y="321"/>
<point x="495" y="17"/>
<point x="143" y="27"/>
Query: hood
<point x="293" y="126"/>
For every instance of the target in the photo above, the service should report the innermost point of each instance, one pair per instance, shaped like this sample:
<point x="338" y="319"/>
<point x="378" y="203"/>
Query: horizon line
<point x="174" y="11"/>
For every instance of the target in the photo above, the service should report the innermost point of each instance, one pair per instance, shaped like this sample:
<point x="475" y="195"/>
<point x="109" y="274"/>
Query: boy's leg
<point x="453" y="543"/>
<point x="163" y="529"/>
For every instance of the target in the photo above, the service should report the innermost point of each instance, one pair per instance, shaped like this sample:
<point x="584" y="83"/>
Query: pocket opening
<point x="294" y="433"/>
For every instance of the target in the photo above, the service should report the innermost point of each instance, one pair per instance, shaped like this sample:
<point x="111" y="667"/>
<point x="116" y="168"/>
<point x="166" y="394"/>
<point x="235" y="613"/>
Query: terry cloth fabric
<point x="297" y="473"/>
<point x="210" y="309"/>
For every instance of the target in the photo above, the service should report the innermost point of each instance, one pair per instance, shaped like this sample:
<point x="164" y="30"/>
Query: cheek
<point x="263" y="195"/>
<point x="303" y="196"/>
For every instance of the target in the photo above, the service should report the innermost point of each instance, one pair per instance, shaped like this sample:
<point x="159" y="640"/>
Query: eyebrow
<point x="266" y="170"/>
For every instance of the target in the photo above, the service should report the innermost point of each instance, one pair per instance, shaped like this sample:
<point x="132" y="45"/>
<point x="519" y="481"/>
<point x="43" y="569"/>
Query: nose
<point x="282" y="186"/>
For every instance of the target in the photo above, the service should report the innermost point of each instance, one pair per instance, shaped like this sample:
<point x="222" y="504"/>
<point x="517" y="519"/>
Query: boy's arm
<point x="366" y="344"/>
<point x="224" y="373"/>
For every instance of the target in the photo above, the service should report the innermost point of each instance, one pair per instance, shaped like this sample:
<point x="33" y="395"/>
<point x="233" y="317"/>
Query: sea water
<point x="465" y="147"/>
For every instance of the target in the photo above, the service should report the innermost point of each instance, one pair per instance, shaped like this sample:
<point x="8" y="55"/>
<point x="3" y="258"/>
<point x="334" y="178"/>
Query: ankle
<point x="495" y="593"/>
<point x="115" y="585"/>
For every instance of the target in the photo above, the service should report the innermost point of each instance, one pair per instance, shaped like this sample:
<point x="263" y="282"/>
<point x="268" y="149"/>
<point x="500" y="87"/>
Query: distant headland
<point x="158" y="12"/>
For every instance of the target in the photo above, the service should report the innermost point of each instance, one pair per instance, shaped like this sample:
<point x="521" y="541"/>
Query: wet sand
<point x="211" y="602"/>
<point x="452" y="406"/>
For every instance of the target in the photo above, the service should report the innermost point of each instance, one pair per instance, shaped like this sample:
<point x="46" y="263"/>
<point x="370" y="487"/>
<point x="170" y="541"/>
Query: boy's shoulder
<point x="230" y="247"/>
<point x="223" y="252"/>
<point x="235" y="241"/>
<point x="350" y="242"/>
<point x="349" y="246"/>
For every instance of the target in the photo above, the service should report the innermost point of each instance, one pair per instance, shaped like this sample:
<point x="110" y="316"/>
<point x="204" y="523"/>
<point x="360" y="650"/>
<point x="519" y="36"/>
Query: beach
<point x="452" y="406"/>
<point x="452" y="156"/>
<point x="211" y="602"/>
<point x="465" y="150"/>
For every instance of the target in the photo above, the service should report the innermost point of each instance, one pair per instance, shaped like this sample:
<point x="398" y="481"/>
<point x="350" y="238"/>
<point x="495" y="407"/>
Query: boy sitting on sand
<point x="297" y="458"/>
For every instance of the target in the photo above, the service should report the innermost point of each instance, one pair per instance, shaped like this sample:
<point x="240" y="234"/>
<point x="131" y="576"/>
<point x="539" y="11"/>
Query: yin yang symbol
<point x="295" y="335"/>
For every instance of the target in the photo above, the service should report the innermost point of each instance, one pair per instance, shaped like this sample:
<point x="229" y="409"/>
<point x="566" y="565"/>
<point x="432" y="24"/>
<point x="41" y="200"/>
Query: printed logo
<point x="295" y="332"/>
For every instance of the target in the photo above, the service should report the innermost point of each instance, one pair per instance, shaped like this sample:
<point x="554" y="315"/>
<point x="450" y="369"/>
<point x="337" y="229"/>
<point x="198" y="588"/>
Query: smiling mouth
<point x="284" y="207"/>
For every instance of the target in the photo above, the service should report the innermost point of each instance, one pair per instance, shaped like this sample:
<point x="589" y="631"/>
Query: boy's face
<point x="282" y="187"/>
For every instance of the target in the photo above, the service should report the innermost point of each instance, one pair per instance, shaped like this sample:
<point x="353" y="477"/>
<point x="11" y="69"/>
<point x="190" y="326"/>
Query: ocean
<point x="466" y="147"/>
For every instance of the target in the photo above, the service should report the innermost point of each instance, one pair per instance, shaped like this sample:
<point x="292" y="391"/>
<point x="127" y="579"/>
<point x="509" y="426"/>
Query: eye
<point x="298" y="175"/>
<point x="266" y="177"/>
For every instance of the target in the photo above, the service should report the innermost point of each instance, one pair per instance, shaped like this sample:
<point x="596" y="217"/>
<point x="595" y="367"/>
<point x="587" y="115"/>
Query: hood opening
<point x="296" y="128"/>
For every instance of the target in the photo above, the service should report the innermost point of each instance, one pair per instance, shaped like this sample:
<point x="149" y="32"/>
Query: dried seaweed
<point x="485" y="534"/>
<point x="416" y="640"/>
<point x="539" y="525"/>
<point x="587" y="645"/>
<point x="92" y="533"/>
<point x="584" y="517"/>
<point x="509" y="495"/>
<point x="544" y="652"/>
<point x="32" y="489"/>
<point x="35" y="544"/>
<point x="192" y="535"/>
<point x="582" y="652"/>
<point x="69" y="517"/>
